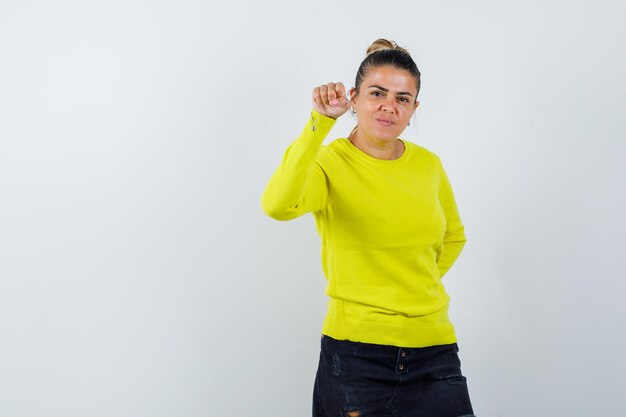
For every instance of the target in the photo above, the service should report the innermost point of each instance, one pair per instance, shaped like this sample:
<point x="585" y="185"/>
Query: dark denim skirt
<point x="366" y="380"/>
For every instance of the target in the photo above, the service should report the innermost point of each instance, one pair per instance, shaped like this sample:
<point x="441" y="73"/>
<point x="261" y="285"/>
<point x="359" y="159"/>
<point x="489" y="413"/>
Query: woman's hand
<point x="331" y="100"/>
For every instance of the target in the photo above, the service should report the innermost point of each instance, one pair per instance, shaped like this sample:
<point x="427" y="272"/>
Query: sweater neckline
<point x="368" y="158"/>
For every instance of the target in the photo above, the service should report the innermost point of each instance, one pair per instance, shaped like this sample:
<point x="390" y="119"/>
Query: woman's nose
<point x="388" y="105"/>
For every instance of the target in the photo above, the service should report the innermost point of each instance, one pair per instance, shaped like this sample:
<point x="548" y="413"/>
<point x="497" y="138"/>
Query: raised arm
<point x="299" y="184"/>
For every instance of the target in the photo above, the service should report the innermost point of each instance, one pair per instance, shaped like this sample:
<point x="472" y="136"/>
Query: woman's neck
<point x="379" y="149"/>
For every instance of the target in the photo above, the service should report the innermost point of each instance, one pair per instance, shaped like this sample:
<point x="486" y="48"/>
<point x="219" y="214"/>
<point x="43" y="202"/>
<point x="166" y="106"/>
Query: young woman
<point x="390" y="230"/>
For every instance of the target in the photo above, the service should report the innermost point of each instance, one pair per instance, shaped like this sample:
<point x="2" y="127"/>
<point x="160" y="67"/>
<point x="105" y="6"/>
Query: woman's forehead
<point x="390" y="78"/>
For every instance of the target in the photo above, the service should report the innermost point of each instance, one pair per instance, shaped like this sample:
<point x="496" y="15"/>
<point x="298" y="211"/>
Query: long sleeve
<point x="454" y="238"/>
<point x="299" y="184"/>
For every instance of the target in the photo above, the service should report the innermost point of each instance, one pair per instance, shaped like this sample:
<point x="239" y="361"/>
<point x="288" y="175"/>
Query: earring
<point x="352" y="111"/>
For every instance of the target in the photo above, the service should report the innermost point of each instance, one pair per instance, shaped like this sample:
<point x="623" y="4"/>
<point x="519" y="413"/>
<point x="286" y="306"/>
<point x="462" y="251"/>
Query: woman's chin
<point x="384" y="134"/>
<point x="387" y="135"/>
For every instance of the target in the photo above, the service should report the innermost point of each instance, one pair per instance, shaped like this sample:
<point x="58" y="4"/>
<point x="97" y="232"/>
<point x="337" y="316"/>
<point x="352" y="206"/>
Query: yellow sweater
<point x="390" y="229"/>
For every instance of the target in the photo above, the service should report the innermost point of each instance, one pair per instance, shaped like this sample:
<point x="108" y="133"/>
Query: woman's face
<point x="385" y="103"/>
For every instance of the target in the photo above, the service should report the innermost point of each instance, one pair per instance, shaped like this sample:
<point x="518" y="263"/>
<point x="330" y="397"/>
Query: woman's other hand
<point x="331" y="100"/>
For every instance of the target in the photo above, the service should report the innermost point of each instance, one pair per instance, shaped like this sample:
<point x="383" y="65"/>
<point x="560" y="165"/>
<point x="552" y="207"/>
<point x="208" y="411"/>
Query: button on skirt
<point x="366" y="380"/>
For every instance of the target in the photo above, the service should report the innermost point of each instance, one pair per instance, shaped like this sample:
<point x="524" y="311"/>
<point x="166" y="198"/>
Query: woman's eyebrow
<point x="386" y="90"/>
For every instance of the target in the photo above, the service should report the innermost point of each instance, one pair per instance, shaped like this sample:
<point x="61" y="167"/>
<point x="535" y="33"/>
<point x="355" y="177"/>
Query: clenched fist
<point x="331" y="100"/>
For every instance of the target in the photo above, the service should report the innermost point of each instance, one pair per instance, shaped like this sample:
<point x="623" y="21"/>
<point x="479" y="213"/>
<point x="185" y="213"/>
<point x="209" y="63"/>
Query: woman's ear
<point x="352" y="95"/>
<point x="417" y="103"/>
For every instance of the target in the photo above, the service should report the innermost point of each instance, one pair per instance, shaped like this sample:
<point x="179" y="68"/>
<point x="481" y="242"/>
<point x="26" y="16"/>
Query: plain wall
<point x="140" y="277"/>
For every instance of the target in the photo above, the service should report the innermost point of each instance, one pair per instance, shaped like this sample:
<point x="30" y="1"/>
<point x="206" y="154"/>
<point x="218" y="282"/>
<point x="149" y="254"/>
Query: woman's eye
<point x="404" y="99"/>
<point x="377" y="93"/>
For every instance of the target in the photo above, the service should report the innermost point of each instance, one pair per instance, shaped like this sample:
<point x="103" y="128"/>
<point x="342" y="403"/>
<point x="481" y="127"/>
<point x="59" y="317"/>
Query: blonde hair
<point x="382" y="44"/>
<point x="383" y="52"/>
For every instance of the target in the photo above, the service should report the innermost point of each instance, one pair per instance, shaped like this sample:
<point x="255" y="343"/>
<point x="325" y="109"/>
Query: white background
<point x="139" y="276"/>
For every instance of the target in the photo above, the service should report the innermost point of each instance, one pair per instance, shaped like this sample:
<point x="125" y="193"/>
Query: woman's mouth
<point x="384" y="122"/>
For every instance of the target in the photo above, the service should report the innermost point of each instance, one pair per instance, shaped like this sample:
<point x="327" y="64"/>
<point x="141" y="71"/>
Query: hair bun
<point x="382" y="44"/>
